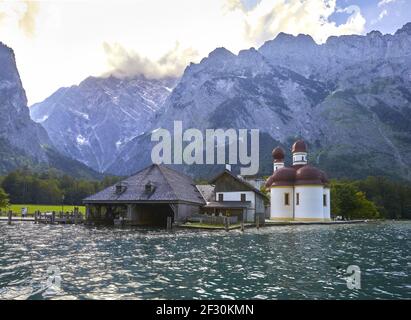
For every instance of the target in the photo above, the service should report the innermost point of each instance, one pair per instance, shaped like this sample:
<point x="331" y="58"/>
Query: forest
<point x="370" y="198"/>
<point x="51" y="187"/>
<point x="373" y="197"/>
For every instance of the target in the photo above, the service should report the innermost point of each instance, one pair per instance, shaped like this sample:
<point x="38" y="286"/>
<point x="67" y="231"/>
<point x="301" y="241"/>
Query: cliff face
<point x="349" y="98"/>
<point x="16" y="127"/>
<point x="91" y="122"/>
<point x="22" y="141"/>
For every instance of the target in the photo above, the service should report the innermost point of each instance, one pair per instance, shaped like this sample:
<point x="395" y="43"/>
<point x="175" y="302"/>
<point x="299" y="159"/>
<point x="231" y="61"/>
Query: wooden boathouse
<point x="154" y="196"/>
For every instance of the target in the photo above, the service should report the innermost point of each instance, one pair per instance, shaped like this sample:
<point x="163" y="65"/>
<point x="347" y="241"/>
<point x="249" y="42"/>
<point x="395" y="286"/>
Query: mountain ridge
<point x="103" y="114"/>
<point x="349" y="98"/>
<point x="346" y="105"/>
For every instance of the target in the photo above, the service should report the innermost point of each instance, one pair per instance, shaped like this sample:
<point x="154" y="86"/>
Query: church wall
<point x="327" y="208"/>
<point x="311" y="203"/>
<point x="279" y="210"/>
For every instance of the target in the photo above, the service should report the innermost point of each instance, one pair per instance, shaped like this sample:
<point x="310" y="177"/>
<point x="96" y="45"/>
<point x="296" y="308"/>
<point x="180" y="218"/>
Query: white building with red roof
<point x="300" y="192"/>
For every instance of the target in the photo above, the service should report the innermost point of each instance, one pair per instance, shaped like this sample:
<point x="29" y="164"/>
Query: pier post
<point x="53" y="217"/>
<point x="76" y="215"/>
<point x="258" y="222"/>
<point x="9" y="216"/>
<point x="35" y="216"/>
<point x="169" y="223"/>
<point x="226" y="223"/>
<point x="242" y="226"/>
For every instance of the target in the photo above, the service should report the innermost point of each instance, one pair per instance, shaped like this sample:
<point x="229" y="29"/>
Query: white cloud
<point x="128" y="63"/>
<point x="268" y="19"/>
<point x="22" y="14"/>
<point x="63" y="42"/>
<point x="382" y="14"/>
<point x="385" y="2"/>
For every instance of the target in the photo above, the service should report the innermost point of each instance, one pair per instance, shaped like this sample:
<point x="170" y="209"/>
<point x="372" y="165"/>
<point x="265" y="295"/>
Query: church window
<point x="287" y="199"/>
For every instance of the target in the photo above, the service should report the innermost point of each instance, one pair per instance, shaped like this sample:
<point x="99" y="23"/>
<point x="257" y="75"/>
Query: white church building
<point x="300" y="192"/>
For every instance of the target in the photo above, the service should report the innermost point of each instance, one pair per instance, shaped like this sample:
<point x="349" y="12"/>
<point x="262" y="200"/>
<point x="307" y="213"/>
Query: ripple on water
<point x="296" y="262"/>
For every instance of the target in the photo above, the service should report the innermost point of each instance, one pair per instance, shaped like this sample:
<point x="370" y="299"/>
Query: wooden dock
<point x="27" y="219"/>
<point x="46" y="218"/>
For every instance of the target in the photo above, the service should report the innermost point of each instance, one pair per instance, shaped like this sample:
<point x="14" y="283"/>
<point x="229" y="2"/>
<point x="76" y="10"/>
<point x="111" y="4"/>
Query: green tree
<point x="351" y="203"/>
<point x="365" y="208"/>
<point x="343" y="199"/>
<point x="13" y="184"/>
<point x="392" y="198"/>
<point x="4" y="199"/>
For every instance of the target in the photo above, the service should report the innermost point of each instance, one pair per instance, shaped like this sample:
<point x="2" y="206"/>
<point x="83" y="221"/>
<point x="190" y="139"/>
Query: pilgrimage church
<point x="300" y="192"/>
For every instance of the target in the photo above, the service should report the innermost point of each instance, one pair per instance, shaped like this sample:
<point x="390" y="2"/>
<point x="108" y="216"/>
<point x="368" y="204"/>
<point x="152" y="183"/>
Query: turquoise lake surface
<point x="287" y="262"/>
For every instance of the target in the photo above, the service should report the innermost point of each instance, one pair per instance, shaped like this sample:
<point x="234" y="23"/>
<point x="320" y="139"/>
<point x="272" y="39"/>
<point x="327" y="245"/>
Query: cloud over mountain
<point x="269" y="18"/>
<point x="259" y="24"/>
<point x="70" y="40"/>
<point x="22" y="13"/>
<point x="128" y="63"/>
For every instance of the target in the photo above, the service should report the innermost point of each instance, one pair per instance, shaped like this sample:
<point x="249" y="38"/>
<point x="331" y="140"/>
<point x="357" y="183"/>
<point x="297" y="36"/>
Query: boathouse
<point x="151" y="197"/>
<point x="233" y="196"/>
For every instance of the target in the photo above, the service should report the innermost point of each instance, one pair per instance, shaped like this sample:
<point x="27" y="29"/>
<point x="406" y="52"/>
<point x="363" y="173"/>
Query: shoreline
<point x="268" y="223"/>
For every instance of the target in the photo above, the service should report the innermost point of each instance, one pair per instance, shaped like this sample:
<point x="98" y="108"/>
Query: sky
<point x="60" y="43"/>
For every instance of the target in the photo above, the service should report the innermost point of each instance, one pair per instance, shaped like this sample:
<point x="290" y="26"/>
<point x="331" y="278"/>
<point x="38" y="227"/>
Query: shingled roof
<point x="167" y="185"/>
<point x="248" y="185"/>
<point x="207" y="191"/>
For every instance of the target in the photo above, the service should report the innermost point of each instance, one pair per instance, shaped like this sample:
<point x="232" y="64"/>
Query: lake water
<point x="296" y="262"/>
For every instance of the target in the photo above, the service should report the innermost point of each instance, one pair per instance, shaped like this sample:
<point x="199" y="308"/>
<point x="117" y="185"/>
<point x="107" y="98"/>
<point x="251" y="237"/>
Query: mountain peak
<point x="3" y="45"/>
<point x="374" y="33"/>
<point x="247" y="52"/>
<point x="6" y="50"/>
<point x="283" y="36"/>
<point x="405" y="29"/>
<point x="305" y="37"/>
<point x="289" y="37"/>
<point x="220" y="53"/>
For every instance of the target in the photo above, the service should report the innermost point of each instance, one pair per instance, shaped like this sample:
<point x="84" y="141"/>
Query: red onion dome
<point x="309" y="175"/>
<point x="282" y="177"/>
<point x="299" y="146"/>
<point x="278" y="154"/>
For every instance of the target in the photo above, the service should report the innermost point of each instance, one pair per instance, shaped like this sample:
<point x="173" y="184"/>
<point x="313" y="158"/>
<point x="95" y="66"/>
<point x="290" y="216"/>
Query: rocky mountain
<point x="91" y="122"/>
<point x="22" y="141"/>
<point x="16" y="126"/>
<point x="229" y="91"/>
<point x="349" y="98"/>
